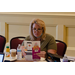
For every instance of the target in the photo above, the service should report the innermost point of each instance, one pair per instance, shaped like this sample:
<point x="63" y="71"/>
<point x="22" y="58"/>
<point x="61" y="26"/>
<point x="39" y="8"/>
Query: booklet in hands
<point x="32" y="47"/>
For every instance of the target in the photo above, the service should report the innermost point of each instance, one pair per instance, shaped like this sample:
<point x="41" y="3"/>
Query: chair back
<point x="15" y="41"/>
<point x="61" y="47"/>
<point x="2" y="43"/>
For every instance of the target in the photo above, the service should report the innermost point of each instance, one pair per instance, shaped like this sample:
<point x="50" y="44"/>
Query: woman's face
<point x="37" y="30"/>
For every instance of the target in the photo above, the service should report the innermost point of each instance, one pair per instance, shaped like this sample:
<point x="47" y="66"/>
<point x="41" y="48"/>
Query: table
<point x="29" y="57"/>
<point x="71" y="58"/>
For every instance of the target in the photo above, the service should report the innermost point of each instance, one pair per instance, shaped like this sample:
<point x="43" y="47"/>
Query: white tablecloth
<point x="28" y="57"/>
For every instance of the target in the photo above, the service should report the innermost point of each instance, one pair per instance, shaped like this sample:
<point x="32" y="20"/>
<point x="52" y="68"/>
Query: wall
<point x="18" y="30"/>
<point x="2" y="28"/>
<point x="23" y="30"/>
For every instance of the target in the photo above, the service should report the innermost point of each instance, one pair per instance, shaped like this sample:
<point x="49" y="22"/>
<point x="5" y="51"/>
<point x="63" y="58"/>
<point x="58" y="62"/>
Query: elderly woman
<point x="37" y="33"/>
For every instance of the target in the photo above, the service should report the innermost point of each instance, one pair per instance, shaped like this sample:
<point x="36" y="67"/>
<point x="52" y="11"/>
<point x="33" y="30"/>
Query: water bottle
<point x="64" y="59"/>
<point x="19" y="52"/>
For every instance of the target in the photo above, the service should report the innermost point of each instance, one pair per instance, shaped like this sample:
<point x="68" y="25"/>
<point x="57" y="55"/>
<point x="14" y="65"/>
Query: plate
<point x="10" y="59"/>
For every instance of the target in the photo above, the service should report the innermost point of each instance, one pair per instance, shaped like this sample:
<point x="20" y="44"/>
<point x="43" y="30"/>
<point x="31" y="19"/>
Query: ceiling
<point x="41" y="13"/>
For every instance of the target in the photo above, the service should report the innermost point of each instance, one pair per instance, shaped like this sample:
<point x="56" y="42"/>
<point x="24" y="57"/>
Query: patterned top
<point x="48" y="43"/>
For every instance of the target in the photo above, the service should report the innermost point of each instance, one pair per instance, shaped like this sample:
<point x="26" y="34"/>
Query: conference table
<point x="28" y="58"/>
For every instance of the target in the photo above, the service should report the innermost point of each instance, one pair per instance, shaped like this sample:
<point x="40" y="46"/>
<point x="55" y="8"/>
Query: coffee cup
<point x="13" y="53"/>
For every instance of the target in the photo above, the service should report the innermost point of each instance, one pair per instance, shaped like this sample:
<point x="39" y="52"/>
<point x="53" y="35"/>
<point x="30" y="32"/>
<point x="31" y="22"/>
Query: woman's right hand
<point x="23" y="52"/>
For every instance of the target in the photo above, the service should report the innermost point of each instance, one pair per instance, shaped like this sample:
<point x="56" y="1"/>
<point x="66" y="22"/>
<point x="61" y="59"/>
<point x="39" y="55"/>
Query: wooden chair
<point x="2" y="43"/>
<point x="61" y="47"/>
<point x="15" y="41"/>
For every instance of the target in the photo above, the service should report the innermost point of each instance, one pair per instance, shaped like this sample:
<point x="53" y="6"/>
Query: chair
<point x="61" y="47"/>
<point x="15" y="41"/>
<point x="2" y="43"/>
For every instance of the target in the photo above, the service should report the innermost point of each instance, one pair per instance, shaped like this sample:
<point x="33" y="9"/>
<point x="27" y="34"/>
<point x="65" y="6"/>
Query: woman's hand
<point x="23" y="52"/>
<point x="41" y="54"/>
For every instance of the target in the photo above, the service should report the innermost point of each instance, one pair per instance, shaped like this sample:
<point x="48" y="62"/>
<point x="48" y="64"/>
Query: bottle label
<point x="7" y="54"/>
<point x="19" y="54"/>
<point x="18" y="50"/>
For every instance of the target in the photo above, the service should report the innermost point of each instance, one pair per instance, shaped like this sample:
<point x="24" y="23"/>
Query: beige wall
<point x="70" y="37"/>
<point x="18" y="30"/>
<point x="2" y="28"/>
<point x="23" y="30"/>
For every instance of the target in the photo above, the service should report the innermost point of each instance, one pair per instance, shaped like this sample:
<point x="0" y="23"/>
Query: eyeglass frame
<point x="39" y="30"/>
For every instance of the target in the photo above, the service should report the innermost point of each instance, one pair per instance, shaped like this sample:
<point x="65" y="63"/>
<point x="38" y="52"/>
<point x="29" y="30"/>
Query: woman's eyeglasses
<point x="39" y="30"/>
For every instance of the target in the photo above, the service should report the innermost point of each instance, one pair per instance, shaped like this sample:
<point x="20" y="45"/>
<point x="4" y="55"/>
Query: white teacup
<point x="13" y="53"/>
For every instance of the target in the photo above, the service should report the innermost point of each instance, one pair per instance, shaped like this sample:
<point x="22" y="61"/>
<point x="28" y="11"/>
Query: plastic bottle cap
<point x="7" y="46"/>
<point x="18" y="44"/>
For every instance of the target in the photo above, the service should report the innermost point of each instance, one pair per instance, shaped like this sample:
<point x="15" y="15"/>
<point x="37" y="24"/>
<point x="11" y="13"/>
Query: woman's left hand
<point x="41" y="54"/>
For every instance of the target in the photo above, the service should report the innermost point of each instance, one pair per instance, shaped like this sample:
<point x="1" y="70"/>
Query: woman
<point x="37" y="33"/>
